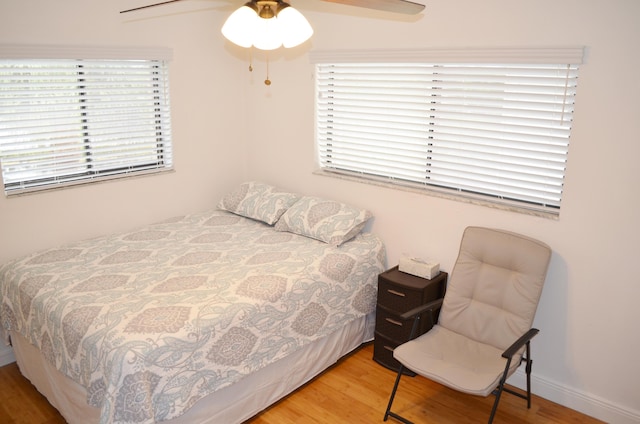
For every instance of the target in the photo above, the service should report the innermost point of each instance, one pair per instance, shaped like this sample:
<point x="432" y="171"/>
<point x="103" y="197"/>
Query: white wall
<point x="586" y="355"/>
<point x="228" y="127"/>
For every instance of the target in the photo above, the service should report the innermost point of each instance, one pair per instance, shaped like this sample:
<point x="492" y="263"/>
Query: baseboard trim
<point x="588" y="404"/>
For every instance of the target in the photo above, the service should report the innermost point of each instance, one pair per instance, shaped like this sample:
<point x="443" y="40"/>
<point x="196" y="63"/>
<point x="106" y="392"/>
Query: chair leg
<point x="393" y="394"/>
<point x="528" y="371"/>
<point x="498" y="392"/>
<point x="495" y="402"/>
<point x="388" y="413"/>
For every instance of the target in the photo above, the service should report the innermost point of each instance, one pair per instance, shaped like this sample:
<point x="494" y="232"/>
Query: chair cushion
<point x="455" y="361"/>
<point x="495" y="286"/>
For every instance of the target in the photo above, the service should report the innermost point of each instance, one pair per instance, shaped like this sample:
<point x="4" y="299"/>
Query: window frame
<point x="120" y="80"/>
<point x="524" y="56"/>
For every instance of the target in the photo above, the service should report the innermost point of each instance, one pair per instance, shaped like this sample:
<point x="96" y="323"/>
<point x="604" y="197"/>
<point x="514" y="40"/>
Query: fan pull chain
<point x="267" y="81"/>
<point x="250" y="59"/>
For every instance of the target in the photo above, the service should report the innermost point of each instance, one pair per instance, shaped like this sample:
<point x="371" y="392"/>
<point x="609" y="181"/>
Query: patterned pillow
<point x="259" y="201"/>
<point x="325" y="220"/>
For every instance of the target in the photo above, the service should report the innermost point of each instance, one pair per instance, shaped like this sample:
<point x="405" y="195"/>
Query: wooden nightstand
<point x="399" y="292"/>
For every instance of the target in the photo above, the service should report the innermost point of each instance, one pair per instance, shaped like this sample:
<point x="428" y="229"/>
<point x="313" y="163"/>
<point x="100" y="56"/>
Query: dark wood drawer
<point x="388" y="324"/>
<point x="398" y="298"/>
<point x="383" y="353"/>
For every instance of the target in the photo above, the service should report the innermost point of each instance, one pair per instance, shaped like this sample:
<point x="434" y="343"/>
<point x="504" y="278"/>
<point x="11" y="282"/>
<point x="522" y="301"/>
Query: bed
<point x="208" y="317"/>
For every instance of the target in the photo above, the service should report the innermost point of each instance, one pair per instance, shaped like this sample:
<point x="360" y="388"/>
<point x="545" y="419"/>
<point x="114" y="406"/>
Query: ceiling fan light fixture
<point x="267" y="25"/>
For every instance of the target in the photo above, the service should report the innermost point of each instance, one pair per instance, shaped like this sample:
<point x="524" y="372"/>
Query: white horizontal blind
<point x="494" y="130"/>
<point x="65" y="121"/>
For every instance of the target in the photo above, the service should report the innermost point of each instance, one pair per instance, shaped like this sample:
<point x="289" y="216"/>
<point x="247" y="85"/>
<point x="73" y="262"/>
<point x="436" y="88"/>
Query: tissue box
<point x="419" y="267"/>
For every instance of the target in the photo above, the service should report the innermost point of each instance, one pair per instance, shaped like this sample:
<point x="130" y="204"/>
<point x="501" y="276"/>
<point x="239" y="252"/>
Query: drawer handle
<point x="393" y="321"/>
<point x="397" y="293"/>
<point x="389" y="348"/>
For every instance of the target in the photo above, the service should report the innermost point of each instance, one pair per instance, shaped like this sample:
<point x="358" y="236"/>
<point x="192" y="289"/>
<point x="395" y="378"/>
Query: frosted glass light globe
<point x="240" y="27"/>
<point x="294" y="27"/>
<point x="267" y="35"/>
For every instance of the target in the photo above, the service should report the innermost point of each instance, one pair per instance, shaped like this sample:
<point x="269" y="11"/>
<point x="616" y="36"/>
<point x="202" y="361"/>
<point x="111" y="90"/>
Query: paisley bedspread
<point x="153" y="320"/>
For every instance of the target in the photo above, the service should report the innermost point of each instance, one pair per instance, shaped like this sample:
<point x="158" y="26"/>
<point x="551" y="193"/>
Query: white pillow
<point x="325" y="220"/>
<point x="259" y="201"/>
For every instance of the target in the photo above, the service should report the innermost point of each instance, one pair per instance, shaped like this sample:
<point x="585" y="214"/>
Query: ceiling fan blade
<point x="149" y="5"/>
<point x="397" y="6"/>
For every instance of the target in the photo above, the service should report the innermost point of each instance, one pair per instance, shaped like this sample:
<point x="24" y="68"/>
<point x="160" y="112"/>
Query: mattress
<point x="150" y="322"/>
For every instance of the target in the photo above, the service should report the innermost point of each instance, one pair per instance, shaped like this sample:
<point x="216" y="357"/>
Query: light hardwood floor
<point x="355" y="390"/>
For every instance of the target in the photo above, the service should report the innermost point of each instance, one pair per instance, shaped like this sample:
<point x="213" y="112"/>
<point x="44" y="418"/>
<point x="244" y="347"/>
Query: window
<point x="70" y="121"/>
<point x="496" y="129"/>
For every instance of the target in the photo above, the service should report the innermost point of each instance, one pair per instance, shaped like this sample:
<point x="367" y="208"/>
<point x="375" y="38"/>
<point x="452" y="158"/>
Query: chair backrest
<point x="494" y="288"/>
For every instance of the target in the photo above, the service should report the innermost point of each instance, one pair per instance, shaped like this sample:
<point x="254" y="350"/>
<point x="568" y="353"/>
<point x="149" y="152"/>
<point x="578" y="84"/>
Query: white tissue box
<point x="419" y="267"/>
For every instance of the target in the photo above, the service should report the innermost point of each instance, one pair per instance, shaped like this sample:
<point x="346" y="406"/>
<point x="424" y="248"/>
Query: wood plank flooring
<point x="356" y="390"/>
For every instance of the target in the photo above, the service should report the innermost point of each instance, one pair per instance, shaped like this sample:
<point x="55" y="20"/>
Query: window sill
<point x="96" y="180"/>
<point x="504" y="205"/>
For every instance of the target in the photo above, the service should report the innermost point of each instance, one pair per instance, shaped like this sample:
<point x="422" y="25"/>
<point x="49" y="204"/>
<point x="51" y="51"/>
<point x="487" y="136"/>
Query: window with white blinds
<point x="70" y="121"/>
<point x="495" y="131"/>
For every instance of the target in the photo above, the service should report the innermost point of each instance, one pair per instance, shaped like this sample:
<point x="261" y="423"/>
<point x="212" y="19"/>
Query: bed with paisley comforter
<point x="209" y="317"/>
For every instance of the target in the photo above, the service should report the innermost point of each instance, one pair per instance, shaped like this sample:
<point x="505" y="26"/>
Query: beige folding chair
<point x="484" y="329"/>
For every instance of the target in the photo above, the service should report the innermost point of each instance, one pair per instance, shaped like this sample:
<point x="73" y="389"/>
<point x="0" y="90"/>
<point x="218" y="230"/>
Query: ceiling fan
<point x="255" y="25"/>
<point x="397" y="6"/>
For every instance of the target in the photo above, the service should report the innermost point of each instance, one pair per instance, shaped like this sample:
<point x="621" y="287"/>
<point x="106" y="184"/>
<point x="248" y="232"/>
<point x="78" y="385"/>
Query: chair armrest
<point x="431" y="306"/>
<point x="417" y="311"/>
<point x="518" y="344"/>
